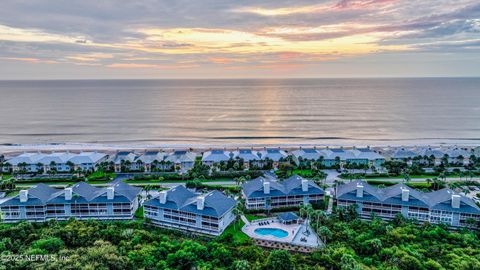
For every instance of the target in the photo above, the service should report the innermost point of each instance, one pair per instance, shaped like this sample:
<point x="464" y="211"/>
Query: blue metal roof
<point x="440" y="199"/>
<point x="180" y="198"/>
<point x="289" y="216"/>
<point x="289" y="186"/>
<point x="82" y="192"/>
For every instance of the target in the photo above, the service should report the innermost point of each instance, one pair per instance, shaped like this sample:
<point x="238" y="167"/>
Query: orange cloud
<point x="140" y="65"/>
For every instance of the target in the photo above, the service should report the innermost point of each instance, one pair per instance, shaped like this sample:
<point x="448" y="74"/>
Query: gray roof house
<point x="35" y="162"/>
<point x="183" y="160"/>
<point x="272" y="154"/>
<point x="247" y="155"/>
<point x="126" y="161"/>
<point x="216" y="156"/>
<point x="183" y="209"/>
<point x="81" y="201"/>
<point x="331" y="156"/>
<point x="266" y="193"/>
<point x="442" y="206"/>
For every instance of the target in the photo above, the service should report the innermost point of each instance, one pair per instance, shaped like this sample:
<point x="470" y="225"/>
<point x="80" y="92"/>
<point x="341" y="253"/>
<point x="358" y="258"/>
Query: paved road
<point x="224" y="183"/>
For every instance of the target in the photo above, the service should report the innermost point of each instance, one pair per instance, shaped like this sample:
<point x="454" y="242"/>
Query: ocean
<point x="241" y="112"/>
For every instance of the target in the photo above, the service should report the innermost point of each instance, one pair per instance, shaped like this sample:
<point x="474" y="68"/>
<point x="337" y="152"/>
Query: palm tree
<point x="237" y="211"/>
<point x="406" y="177"/>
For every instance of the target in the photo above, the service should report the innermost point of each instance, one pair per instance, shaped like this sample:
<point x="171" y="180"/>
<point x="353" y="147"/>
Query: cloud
<point x="201" y="35"/>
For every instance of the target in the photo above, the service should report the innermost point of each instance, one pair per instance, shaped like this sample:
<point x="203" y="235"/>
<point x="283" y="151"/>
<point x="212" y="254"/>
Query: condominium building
<point x="216" y="157"/>
<point x="249" y="157"/>
<point x="153" y="160"/>
<point x="81" y="201"/>
<point x="126" y="162"/>
<point x="442" y="206"/>
<point x="182" y="209"/>
<point x="330" y="157"/>
<point x="57" y="161"/>
<point x="277" y="156"/>
<point x="265" y="193"/>
<point x="182" y="160"/>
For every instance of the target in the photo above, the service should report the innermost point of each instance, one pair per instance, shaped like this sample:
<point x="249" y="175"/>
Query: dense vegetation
<point x="351" y="244"/>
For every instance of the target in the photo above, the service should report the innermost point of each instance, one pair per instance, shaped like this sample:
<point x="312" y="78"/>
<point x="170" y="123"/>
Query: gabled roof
<point x="29" y="158"/>
<point x="179" y="198"/>
<point x="403" y="153"/>
<point x="87" y="157"/>
<point x="392" y="195"/>
<point x="307" y="154"/>
<point x="289" y="186"/>
<point x="42" y="194"/>
<point x="333" y="153"/>
<point x="272" y="154"/>
<point x="431" y="152"/>
<point x="246" y="154"/>
<point x="151" y="156"/>
<point x="217" y="156"/>
<point x="181" y="156"/>
<point x="57" y="157"/>
<point x="456" y="152"/>
<point x="124" y="156"/>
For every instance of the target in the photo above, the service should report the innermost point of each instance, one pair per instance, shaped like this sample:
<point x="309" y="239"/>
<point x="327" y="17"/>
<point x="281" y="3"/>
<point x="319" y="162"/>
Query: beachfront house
<point x="458" y="156"/>
<point x="265" y="193"/>
<point x="81" y="201"/>
<point x="181" y="160"/>
<point x="60" y="162"/>
<point x="249" y="158"/>
<point x="182" y="209"/>
<point x="306" y="157"/>
<point x="126" y="162"/>
<point x="338" y="157"/>
<point x="217" y="158"/>
<point x="154" y="161"/>
<point x="275" y="156"/>
<point x="403" y="154"/>
<point x="442" y="206"/>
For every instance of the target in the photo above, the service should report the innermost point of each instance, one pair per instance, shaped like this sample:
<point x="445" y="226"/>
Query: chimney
<point x="455" y="201"/>
<point x="163" y="196"/>
<point x="266" y="187"/>
<point x="359" y="190"/>
<point x="110" y="193"/>
<point x="68" y="194"/>
<point x="23" y="195"/>
<point x="200" y="202"/>
<point x="405" y="195"/>
<point x="304" y="185"/>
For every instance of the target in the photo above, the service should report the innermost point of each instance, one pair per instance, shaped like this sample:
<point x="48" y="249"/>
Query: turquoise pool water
<point x="279" y="233"/>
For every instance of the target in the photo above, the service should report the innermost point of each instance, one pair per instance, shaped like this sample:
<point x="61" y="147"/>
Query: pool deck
<point x="295" y="233"/>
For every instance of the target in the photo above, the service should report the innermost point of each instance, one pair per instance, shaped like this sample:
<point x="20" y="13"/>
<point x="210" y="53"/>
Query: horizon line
<point x="245" y="78"/>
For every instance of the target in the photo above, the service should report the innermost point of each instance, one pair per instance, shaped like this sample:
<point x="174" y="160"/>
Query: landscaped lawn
<point x="253" y="217"/>
<point x="101" y="174"/>
<point x="139" y="212"/>
<point x="235" y="229"/>
<point x="5" y="176"/>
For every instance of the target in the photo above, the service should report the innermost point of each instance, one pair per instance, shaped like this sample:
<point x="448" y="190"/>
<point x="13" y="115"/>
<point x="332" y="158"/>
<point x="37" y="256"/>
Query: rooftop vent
<point x="163" y="197"/>
<point x="304" y="185"/>
<point x="266" y="187"/>
<point x="23" y="195"/>
<point x="405" y="195"/>
<point x="455" y="201"/>
<point x="359" y="190"/>
<point x="200" y="202"/>
<point x="110" y="193"/>
<point x="68" y="193"/>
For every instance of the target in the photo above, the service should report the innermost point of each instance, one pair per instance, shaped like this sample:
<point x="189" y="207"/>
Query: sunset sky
<point x="54" y="39"/>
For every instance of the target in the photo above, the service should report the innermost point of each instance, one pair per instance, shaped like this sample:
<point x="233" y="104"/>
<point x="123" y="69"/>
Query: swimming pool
<point x="279" y="233"/>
